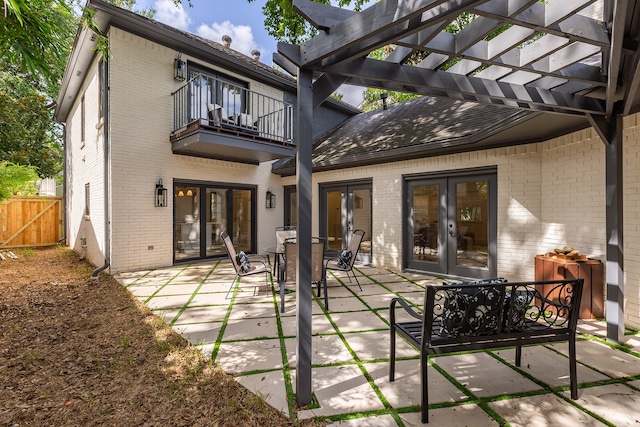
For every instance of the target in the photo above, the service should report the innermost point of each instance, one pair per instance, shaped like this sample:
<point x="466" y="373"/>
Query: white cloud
<point x="170" y="14"/>
<point x="241" y="36"/>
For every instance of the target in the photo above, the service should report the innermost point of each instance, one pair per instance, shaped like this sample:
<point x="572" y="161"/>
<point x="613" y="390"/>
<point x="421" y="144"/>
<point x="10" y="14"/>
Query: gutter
<point x="107" y="218"/>
<point x="63" y="238"/>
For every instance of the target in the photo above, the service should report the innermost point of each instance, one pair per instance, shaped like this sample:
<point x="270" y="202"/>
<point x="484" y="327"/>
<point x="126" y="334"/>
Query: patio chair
<point x="243" y="264"/>
<point x="282" y="233"/>
<point x="289" y="268"/>
<point x="347" y="257"/>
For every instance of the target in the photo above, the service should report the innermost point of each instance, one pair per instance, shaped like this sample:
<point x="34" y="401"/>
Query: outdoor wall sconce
<point x="271" y="199"/>
<point x="161" y="194"/>
<point x="180" y="69"/>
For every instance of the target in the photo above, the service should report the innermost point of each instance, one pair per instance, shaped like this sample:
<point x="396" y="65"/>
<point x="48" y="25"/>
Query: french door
<point x="451" y="224"/>
<point x="344" y="208"/>
<point x="203" y="211"/>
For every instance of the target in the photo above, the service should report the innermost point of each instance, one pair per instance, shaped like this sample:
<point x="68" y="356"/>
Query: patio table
<point x="278" y="252"/>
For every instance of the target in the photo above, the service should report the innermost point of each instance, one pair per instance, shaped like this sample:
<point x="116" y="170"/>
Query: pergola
<point x="578" y="57"/>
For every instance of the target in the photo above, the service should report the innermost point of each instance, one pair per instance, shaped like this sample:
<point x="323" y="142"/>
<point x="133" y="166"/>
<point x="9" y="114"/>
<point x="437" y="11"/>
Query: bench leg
<point x="424" y="392"/>
<point x="572" y="368"/>
<point x="392" y="356"/>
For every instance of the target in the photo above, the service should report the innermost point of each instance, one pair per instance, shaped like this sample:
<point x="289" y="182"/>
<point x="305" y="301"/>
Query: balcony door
<point x="451" y="224"/>
<point x="208" y="87"/>
<point x="203" y="211"/>
<point x="344" y="208"/>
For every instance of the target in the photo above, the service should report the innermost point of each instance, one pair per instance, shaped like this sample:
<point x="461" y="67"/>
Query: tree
<point x="28" y="135"/>
<point x="35" y="37"/>
<point x="284" y="24"/>
<point x="16" y="179"/>
<point x="35" y="40"/>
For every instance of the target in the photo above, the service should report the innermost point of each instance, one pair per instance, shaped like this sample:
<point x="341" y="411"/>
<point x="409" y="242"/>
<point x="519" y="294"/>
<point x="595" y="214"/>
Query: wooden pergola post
<point x="304" y="189"/>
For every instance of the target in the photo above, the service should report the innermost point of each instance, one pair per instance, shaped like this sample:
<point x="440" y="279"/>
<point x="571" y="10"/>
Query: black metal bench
<point x="488" y="315"/>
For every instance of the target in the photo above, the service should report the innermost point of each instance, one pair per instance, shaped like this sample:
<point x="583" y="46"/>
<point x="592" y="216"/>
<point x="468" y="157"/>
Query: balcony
<point x="218" y="119"/>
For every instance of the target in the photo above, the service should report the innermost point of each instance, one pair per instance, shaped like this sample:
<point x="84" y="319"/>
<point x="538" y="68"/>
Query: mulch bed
<point x="82" y="352"/>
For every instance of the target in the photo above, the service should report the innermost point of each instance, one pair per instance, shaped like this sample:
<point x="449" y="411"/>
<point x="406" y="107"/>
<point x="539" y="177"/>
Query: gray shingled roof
<point x="420" y="127"/>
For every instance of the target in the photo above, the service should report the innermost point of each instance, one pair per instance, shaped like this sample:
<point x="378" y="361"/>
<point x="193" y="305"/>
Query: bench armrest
<point x="404" y="304"/>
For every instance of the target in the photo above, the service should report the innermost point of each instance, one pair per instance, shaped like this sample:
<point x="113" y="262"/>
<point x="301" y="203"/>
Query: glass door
<point x="346" y="208"/>
<point x="186" y="222"/>
<point x="204" y="211"/>
<point x="424" y="236"/>
<point x="451" y="225"/>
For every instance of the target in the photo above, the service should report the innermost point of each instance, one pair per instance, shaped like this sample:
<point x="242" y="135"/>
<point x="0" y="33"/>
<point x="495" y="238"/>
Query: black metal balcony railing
<point x="216" y="103"/>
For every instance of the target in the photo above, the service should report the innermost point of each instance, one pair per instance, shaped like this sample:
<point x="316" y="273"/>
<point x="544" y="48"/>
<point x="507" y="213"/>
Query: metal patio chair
<point x="347" y="257"/>
<point x="282" y="233"/>
<point x="289" y="268"/>
<point x="243" y="264"/>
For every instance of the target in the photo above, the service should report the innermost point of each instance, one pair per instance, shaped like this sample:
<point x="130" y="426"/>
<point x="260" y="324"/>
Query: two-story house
<point x="169" y="142"/>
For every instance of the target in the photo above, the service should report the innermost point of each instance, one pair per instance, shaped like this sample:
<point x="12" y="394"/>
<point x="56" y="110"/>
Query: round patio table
<point x="278" y="252"/>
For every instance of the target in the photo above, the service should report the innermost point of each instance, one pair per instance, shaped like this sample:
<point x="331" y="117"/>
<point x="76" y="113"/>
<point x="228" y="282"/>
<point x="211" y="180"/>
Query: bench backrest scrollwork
<point x="480" y="312"/>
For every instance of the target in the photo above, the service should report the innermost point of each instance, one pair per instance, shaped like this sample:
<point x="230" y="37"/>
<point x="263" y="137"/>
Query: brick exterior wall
<point x="631" y="177"/>
<point x="85" y="166"/>
<point x="550" y="194"/>
<point x="140" y="105"/>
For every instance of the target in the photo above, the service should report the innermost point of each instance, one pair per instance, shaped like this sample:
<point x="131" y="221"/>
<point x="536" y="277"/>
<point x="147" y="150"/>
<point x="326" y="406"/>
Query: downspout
<point x="105" y="133"/>
<point x="63" y="238"/>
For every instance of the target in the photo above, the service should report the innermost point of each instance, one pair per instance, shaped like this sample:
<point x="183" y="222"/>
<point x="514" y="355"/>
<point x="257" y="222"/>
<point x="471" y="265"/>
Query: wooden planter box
<point x="591" y="270"/>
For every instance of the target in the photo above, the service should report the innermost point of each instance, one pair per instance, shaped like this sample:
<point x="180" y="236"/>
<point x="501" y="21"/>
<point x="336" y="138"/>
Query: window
<point x="101" y="89"/>
<point x="87" y="199"/>
<point x="82" y="121"/>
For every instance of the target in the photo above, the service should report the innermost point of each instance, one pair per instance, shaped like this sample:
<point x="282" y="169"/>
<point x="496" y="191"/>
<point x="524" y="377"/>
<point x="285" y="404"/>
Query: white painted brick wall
<point x="631" y="178"/>
<point x="85" y="166"/>
<point x="141" y="83"/>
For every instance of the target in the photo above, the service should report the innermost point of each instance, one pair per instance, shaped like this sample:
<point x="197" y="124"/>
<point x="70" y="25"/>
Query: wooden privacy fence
<point x="30" y="221"/>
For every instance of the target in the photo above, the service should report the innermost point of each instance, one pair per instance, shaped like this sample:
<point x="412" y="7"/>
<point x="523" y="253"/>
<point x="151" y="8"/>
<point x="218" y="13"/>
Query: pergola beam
<point x="377" y="26"/>
<point x="320" y="15"/>
<point x="324" y="86"/>
<point x="438" y="81"/>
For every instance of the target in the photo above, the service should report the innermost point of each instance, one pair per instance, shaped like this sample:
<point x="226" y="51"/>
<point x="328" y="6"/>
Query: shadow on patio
<point x="248" y="337"/>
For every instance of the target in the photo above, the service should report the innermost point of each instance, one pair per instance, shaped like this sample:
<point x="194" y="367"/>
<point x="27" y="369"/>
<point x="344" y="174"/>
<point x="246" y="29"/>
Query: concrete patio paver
<point x="550" y="367"/>
<point x="240" y="327"/>
<point x="542" y="411"/>
<point x="358" y="321"/>
<point x="248" y="356"/>
<point x="326" y="350"/>
<point x="375" y="345"/>
<point x="270" y="386"/>
<point x="465" y="415"/>
<point x="404" y="392"/>
<point x="616" y="403"/>
<point x="200" y="333"/>
<point x="341" y="390"/>
<point x="485" y="376"/>
<point x="251" y="328"/>
<point x="605" y="359"/>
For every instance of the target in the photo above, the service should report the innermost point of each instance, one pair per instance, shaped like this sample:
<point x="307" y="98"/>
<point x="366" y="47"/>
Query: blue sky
<point x="241" y="20"/>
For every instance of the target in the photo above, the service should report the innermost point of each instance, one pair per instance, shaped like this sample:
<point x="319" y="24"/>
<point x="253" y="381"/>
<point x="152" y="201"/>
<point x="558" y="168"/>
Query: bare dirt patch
<point x="79" y="352"/>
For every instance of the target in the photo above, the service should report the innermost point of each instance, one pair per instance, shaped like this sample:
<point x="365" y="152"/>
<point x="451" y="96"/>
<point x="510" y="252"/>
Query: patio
<point x="248" y="337"/>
